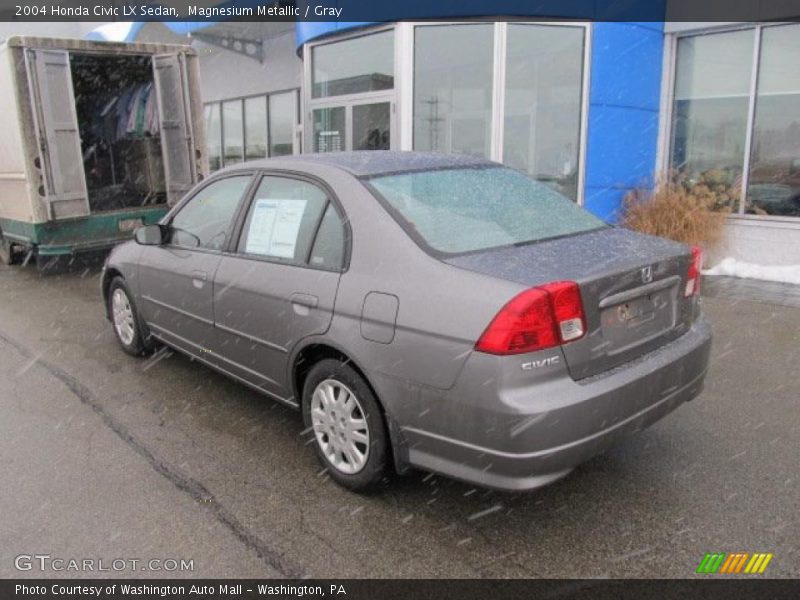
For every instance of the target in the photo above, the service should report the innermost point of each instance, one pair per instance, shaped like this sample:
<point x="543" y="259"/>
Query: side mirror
<point x="149" y="235"/>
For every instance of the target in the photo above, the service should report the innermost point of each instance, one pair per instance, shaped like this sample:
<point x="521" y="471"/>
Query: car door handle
<point x="199" y="278"/>
<point x="306" y="300"/>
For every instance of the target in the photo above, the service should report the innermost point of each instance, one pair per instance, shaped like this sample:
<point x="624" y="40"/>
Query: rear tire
<point x="50" y="265"/>
<point x="345" y="419"/>
<point x="129" y="329"/>
<point x="7" y="255"/>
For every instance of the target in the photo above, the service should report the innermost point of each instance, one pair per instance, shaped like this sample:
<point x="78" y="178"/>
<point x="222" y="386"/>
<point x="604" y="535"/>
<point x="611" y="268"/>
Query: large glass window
<point x="712" y="89"/>
<point x="265" y="128"/>
<point x="463" y="210"/>
<point x="282" y="120"/>
<point x="453" y="67"/>
<point x="214" y="136"/>
<point x="361" y="64"/>
<point x="232" y="131"/>
<point x="544" y="74"/>
<point x="255" y="127"/>
<point x="723" y="123"/>
<point x="774" y="183"/>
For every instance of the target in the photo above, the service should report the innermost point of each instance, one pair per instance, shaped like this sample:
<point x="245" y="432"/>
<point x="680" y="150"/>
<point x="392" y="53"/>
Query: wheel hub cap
<point x="340" y="426"/>
<point x="123" y="316"/>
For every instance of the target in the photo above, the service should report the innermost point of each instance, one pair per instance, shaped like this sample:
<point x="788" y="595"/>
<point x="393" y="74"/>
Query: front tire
<point x="125" y="320"/>
<point x="345" y="419"/>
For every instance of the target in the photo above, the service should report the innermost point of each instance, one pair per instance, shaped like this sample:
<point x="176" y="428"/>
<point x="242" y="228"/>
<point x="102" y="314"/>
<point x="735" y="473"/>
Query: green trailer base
<point x="71" y="236"/>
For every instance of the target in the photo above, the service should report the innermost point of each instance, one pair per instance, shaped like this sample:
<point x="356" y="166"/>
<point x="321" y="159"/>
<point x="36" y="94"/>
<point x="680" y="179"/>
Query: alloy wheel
<point x="340" y="426"/>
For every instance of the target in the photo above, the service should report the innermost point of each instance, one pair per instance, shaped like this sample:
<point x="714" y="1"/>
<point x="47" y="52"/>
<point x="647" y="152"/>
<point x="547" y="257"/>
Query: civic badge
<point x="647" y="274"/>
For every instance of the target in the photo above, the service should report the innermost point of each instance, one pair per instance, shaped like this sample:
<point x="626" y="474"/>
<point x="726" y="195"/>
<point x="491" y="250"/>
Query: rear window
<point x="454" y="211"/>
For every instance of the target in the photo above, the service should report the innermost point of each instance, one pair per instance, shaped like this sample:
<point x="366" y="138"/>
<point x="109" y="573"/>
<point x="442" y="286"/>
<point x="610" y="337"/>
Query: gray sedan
<point x="422" y="310"/>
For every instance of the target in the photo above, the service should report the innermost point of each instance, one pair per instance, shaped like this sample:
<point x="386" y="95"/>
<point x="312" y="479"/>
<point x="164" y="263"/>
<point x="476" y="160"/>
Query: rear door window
<point x="453" y="211"/>
<point x="285" y="218"/>
<point x="328" y="249"/>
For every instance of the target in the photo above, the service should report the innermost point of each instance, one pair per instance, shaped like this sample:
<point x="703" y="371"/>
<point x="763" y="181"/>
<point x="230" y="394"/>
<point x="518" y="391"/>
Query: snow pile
<point x="736" y="268"/>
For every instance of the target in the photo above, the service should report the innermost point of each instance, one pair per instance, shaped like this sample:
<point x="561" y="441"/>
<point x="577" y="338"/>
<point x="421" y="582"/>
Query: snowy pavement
<point x="103" y="455"/>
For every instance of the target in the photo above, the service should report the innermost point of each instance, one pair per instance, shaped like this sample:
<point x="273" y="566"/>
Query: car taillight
<point x="538" y="318"/>
<point x="693" y="277"/>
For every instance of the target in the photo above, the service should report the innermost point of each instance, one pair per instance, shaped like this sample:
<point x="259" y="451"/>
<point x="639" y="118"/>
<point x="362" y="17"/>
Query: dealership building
<point x="594" y="109"/>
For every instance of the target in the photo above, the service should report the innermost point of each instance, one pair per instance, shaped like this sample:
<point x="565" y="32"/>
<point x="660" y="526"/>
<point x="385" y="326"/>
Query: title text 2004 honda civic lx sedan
<point x="441" y="312"/>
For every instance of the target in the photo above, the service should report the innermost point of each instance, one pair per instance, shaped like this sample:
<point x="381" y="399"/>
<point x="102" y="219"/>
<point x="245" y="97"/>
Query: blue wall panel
<point x="624" y="99"/>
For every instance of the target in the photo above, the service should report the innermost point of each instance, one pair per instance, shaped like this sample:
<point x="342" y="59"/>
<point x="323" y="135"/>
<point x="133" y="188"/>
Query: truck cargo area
<point x="117" y="110"/>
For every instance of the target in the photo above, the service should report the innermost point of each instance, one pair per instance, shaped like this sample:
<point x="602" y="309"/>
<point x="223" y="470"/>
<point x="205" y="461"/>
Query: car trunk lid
<point x="632" y="288"/>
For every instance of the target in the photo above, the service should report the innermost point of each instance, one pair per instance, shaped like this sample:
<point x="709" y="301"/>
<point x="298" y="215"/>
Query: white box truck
<point x="96" y="138"/>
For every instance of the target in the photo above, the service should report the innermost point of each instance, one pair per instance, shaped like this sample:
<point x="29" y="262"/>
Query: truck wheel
<point x="49" y="265"/>
<point x="6" y="252"/>
<point x="125" y="319"/>
<point x="349" y="434"/>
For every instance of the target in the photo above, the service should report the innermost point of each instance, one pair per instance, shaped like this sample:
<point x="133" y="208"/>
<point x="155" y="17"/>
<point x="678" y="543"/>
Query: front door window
<point x="204" y="222"/>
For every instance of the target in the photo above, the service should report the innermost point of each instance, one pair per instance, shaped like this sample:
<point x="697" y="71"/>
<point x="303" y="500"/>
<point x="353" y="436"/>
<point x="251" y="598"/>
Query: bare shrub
<point x="692" y="213"/>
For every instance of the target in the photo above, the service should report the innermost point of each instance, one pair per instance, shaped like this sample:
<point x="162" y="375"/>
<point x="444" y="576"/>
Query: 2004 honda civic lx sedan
<point x="440" y="312"/>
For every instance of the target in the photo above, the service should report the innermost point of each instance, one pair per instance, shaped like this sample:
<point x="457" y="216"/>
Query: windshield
<point x="467" y="209"/>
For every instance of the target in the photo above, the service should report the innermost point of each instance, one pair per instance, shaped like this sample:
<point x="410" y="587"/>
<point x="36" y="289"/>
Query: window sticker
<point x="274" y="226"/>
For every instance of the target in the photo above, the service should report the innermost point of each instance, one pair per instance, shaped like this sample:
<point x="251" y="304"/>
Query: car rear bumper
<point x="527" y="437"/>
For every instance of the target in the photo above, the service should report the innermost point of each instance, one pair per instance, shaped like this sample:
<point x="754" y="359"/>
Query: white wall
<point x="226" y="74"/>
<point x="759" y="241"/>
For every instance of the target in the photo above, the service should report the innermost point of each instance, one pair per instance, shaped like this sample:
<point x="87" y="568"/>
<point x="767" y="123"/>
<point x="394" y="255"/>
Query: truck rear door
<point x="177" y="135"/>
<point x="56" y="122"/>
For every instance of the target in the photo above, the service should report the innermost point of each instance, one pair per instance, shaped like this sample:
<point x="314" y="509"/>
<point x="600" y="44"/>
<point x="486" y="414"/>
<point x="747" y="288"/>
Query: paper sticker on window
<point x="274" y="226"/>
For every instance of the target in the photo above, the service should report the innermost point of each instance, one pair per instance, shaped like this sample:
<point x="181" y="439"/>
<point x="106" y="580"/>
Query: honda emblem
<point x="647" y="274"/>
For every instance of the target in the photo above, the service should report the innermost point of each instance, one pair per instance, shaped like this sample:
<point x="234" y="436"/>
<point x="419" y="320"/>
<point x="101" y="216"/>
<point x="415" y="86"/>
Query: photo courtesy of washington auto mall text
<point x="176" y="589"/>
<point x="399" y="300"/>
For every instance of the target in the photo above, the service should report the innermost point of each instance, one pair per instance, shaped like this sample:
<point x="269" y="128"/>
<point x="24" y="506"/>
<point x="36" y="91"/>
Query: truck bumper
<point x="99" y="231"/>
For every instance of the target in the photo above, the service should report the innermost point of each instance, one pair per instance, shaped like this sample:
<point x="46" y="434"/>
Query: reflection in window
<point x="362" y="64"/>
<point x="712" y="85"/>
<point x="774" y="185"/>
<point x="329" y="129"/>
<point x="232" y="132"/>
<point x="544" y="70"/>
<point x="214" y="133"/>
<point x="453" y="88"/>
<point x="255" y="127"/>
<point x="371" y="126"/>
<point x="282" y="120"/>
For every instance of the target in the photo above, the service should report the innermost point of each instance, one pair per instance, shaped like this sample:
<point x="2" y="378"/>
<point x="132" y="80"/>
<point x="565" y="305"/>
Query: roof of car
<point x="374" y="162"/>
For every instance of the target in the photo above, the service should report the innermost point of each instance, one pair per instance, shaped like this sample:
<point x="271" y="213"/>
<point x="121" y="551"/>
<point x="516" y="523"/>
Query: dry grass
<point x="692" y="214"/>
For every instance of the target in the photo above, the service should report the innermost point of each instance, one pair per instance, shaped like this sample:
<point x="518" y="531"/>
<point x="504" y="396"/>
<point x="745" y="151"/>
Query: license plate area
<point x="129" y="224"/>
<point x="637" y="319"/>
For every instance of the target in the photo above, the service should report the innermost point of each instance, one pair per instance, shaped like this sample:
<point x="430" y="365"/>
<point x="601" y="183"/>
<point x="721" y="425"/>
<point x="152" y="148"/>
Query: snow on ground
<point x="737" y="268"/>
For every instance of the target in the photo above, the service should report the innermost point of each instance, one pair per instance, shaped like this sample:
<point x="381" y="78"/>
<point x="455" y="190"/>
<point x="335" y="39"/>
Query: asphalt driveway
<point x="105" y="456"/>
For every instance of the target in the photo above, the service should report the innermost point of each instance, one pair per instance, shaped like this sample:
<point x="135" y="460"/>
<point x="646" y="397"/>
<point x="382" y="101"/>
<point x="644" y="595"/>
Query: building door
<point x="364" y="125"/>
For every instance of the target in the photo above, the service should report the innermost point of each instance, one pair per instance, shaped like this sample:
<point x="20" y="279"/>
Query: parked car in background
<point x="422" y="310"/>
